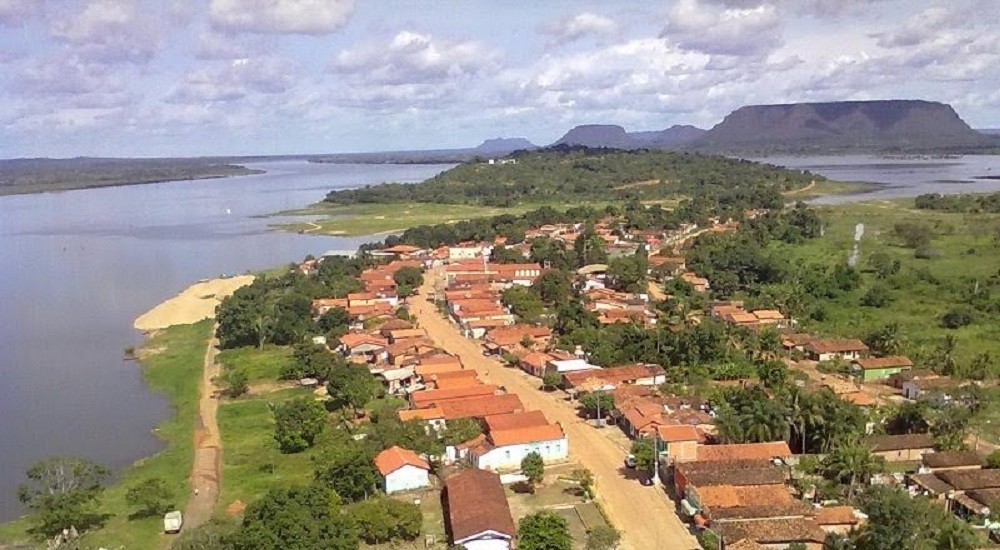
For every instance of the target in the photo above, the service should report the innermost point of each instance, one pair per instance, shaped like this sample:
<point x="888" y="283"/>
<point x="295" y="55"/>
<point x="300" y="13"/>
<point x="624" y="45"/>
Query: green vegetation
<point x="62" y="492"/>
<point x="41" y="175"/>
<point x="295" y="518"/>
<point x="151" y="497"/>
<point x="973" y="204"/>
<point x="533" y="467"/>
<point x="543" y="530"/>
<point x="258" y="364"/>
<point x="297" y="423"/>
<point x="172" y="365"/>
<point x="573" y="174"/>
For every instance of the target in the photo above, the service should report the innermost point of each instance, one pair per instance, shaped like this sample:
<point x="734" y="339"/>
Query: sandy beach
<point x="195" y="303"/>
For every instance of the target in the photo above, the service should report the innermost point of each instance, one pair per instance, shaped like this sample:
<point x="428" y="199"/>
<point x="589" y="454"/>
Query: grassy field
<point x="260" y="365"/>
<point x="824" y="188"/>
<point x="371" y="219"/>
<point x="963" y="254"/>
<point x="172" y="365"/>
<point x="251" y="462"/>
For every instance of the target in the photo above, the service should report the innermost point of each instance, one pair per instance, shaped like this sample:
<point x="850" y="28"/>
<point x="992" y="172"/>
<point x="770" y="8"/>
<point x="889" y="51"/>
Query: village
<point x="670" y="473"/>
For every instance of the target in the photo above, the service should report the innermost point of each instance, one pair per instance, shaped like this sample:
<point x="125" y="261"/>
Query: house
<point x="721" y="503"/>
<point x="700" y="284"/>
<point x="405" y="334"/>
<point x="364" y="348"/>
<point x="775" y="534"/>
<point x="742" y="451"/>
<point x="564" y="366"/>
<point x="770" y="317"/>
<point x="402" y="251"/>
<point x="704" y="473"/>
<point x="451" y="379"/>
<point x="897" y="380"/>
<point x="612" y="377"/>
<point x="503" y="449"/>
<point x="426" y="398"/>
<point x="476" y="511"/>
<point x="508" y="336"/>
<point x="401" y="380"/>
<point x="839" y="519"/>
<point x="901" y="448"/>
<point x="829" y="350"/>
<point x="970" y="492"/>
<point x="401" y="470"/>
<point x="951" y="460"/>
<point x="879" y="368"/>
<point x="943" y="385"/>
<point x="432" y="416"/>
<point x="321" y="306"/>
<point x="678" y="443"/>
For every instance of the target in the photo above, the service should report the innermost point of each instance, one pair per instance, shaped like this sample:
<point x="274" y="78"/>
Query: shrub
<point x="385" y="519"/>
<point x="956" y="318"/>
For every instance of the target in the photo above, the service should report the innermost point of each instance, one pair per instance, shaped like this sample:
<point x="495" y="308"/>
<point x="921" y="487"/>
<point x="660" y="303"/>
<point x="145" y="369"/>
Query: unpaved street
<point x="645" y="515"/>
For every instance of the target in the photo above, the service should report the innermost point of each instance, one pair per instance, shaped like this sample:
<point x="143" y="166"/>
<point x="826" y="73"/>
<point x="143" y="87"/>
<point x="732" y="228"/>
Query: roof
<point x="883" y="443"/>
<point x="430" y="413"/>
<point x="354" y="339"/>
<point x="931" y="482"/>
<point x="404" y="333"/>
<point x="476" y="503"/>
<point x="530" y="434"/>
<point x="394" y="324"/>
<point x="536" y="359"/>
<point x="512" y="421"/>
<point x="513" y="334"/>
<point x="613" y="375"/>
<point x="402" y="249"/>
<point x="676" y="434"/>
<point x="734" y="496"/>
<point x="836" y="515"/>
<point x="952" y="459"/>
<point x="745" y="544"/>
<point x="835" y="346"/>
<point x="395" y="457"/>
<point x="966" y="480"/>
<point x="429" y="397"/>
<point x="768" y="315"/>
<point x="479" y="407"/>
<point x="766" y="475"/>
<point x="572" y="365"/>
<point x="718" y="466"/>
<point x="883" y="362"/>
<point x="773" y="449"/>
<point x="773" y="531"/>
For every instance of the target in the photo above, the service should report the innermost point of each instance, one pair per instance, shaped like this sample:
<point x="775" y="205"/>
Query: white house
<point x="571" y="365"/>
<point x="504" y="449"/>
<point x="402" y="470"/>
<point x="478" y="516"/>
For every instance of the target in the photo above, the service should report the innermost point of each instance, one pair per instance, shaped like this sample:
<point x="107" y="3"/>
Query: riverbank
<point x="172" y="361"/>
<point x="193" y="304"/>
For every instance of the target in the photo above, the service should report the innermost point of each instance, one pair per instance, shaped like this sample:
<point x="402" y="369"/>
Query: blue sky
<point x="220" y="77"/>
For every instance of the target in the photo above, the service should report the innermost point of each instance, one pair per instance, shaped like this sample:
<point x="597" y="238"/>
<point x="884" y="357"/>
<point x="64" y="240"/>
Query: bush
<point x="956" y="318"/>
<point x="544" y="531"/>
<point x="993" y="460"/>
<point x="384" y="519"/>
<point x="603" y="538"/>
<point x="297" y="423"/>
<point x="151" y="496"/>
<point x="877" y="296"/>
<point x="708" y="540"/>
<point x="533" y="466"/>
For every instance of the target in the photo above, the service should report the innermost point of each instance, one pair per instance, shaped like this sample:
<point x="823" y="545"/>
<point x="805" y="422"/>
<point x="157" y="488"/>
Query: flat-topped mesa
<point x="903" y="125"/>
<point x="615" y="137"/>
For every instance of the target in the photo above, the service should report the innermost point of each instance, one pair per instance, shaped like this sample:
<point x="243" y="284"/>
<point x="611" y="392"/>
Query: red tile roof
<point x="396" y="457"/>
<point x="675" y="434"/>
<point x="427" y="398"/>
<point x="884" y="362"/>
<point x="836" y="515"/>
<point x="512" y="421"/>
<point x="479" y="407"/>
<point x="613" y="375"/>
<point x="773" y="449"/>
<point x="835" y="346"/>
<point x="530" y="434"/>
<point x="476" y="503"/>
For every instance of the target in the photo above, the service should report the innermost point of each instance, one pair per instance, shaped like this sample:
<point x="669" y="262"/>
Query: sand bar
<point x="195" y="303"/>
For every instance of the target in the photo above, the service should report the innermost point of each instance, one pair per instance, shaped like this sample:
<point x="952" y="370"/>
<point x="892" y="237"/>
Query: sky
<point x="151" y="78"/>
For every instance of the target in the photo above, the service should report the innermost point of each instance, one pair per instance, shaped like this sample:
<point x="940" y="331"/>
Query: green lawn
<point x="370" y="219"/>
<point x="829" y="187"/>
<point x="260" y="365"/>
<point x="249" y="450"/>
<point x="172" y="368"/>
<point x="964" y="253"/>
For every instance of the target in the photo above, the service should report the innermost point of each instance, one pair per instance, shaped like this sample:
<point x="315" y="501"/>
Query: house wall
<point x="904" y="455"/>
<point x="850" y="355"/>
<point x="509" y="457"/>
<point x="879" y="374"/>
<point x="838" y="529"/>
<point x="406" y="478"/>
<point x="485" y="541"/>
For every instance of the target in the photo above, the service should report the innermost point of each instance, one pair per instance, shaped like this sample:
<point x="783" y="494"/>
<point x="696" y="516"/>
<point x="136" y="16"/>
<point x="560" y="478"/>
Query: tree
<point x="62" y="492"/>
<point x="553" y="286"/>
<point x="877" y="296"/>
<point x="210" y="536"/>
<point x="460" y="431"/>
<point x="993" y="460"/>
<point x="883" y="265"/>
<point x="348" y="471"/>
<point x="956" y="318"/>
<point x="151" y="496"/>
<point x="334" y="322"/>
<point x="523" y="303"/>
<point x="297" y="423"/>
<point x="887" y="340"/>
<point x="551" y="379"/>
<point x="236" y="382"/>
<point x="645" y="456"/>
<point x="585" y="478"/>
<point x="407" y="280"/>
<point x="603" y="537"/>
<point x="897" y="520"/>
<point x="628" y="273"/>
<point x="597" y="403"/>
<point x="913" y="234"/>
<point x="352" y="386"/>
<point x="384" y="519"/>
<point x="949" y="426"/>
<point x="543" y="531"/>
<point x="295" y="518"/>
<point x="851" y="462"/>
<point x="533" y="467"/>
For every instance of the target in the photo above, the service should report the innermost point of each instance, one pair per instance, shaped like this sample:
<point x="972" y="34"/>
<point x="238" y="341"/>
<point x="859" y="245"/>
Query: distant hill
<point x="504" y="145"/>
<point x="890" y="125"/>
<point x="615" y="137"/>
<point x="989" y="131"/>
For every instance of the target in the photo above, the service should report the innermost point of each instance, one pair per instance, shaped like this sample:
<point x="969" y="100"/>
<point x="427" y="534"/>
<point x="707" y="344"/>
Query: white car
<point x="173" y="521"/>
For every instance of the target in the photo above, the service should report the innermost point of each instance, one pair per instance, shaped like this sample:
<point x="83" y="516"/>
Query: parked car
<point x="173" y="521"/>
<point x="630" y="461"/>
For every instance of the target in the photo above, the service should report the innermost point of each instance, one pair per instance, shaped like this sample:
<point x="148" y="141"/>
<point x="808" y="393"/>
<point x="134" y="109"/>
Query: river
<point x="79" y="266"/>
<point x="900" y="177"/>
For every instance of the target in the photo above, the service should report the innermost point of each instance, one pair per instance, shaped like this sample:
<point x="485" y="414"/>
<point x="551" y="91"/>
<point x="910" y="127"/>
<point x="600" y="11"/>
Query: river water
<point x="76" y="268"/>
<point x="901" y="177"/>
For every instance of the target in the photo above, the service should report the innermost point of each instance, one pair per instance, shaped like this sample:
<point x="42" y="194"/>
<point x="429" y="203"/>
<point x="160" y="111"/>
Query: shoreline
<point x="193" y="304"/>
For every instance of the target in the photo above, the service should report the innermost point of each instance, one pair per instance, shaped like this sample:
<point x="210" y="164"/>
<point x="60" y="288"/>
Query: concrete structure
<point x="879" y="368"/>
<point x="402" y="470"/>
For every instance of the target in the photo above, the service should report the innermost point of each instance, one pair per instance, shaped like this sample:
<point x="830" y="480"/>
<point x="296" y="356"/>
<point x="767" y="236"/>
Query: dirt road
<point x="206" y="473"/>
<point x="645" y="515"/>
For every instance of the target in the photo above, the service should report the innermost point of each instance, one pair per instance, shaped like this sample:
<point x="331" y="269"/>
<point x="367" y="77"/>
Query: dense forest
<point x="573" y="174"/>
<point x="988" y="203"/>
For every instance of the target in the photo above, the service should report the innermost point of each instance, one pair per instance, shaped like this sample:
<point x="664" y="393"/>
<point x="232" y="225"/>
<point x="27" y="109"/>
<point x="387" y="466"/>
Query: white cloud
<point x="15" y="12"/>
<point x="412" y="57"/>
<point x="737" y="32"/>
<point x="110" y="30"/>
<point x="235" y="80"/>
<point x="280" y="16"/>
<point x="816" y="8"/>
<point x="576" y="27"/>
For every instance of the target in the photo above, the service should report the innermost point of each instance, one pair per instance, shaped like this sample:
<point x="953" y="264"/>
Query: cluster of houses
<point x="733" y="313"/>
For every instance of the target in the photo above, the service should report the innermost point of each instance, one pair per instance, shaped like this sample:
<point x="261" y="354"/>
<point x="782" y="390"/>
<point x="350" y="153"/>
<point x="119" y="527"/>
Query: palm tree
<point x="802" y="415"/>
<point x="853" y="462"/>
<point x="729" y="426"/>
